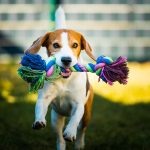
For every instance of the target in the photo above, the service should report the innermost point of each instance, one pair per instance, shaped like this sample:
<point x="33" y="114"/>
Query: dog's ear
<point x="86" y="46"/>
<point x="41" y="41"/>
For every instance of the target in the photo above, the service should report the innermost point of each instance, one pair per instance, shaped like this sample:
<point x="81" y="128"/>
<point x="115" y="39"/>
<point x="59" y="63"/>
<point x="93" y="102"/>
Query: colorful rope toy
<point x="35" y="71"/>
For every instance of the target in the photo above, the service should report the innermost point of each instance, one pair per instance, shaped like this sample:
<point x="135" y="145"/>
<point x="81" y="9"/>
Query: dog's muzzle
<point x="66" y="61"/>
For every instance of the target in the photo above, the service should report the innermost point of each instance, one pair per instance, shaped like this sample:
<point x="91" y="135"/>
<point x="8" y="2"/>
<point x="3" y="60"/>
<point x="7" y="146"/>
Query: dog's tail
<point x="60" y="20"/>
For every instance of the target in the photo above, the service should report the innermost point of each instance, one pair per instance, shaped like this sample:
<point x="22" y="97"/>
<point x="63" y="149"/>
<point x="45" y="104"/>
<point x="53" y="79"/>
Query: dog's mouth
<point x="66" y="73"/>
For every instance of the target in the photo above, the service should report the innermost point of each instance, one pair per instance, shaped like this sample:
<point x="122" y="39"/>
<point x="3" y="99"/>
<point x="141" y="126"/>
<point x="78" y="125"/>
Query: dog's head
<point x="64" y="44"/>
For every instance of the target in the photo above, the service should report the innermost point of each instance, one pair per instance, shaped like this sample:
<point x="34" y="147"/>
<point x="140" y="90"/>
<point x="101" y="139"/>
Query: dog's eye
<point x="56" y="45"/>
<point x="75" y="45"/>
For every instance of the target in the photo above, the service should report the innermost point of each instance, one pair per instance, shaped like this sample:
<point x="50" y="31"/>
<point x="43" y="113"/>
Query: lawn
<point x="114" y="126"/>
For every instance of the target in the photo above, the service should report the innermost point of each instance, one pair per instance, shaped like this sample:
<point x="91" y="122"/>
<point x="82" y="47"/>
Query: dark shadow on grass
<point x="113" y="127"/>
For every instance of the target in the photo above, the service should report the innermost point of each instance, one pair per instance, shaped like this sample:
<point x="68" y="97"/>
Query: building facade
<point x="113" y="28"/>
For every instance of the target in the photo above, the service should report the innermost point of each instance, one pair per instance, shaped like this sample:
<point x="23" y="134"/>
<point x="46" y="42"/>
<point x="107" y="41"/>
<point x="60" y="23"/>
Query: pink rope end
<point x="50" y="71"/>
<point x="100" y="65"/>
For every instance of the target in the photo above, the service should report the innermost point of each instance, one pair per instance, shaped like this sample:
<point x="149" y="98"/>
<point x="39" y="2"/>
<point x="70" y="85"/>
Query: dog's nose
<point x="66" y="60"/>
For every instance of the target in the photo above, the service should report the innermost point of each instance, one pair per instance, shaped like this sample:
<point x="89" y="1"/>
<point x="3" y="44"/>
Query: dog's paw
<point x="79" y="145"/>
<point x="38" y="125"/>
<point x="70" y="134"/>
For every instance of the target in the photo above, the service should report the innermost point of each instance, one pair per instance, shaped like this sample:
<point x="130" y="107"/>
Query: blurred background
<point x="114" y="28"/>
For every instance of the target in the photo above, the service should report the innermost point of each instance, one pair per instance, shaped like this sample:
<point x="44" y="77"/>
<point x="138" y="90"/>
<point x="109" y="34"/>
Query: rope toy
<point x="35" y="70"/>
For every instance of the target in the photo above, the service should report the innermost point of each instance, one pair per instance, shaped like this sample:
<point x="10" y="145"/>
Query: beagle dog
<point x="71" y="95"/>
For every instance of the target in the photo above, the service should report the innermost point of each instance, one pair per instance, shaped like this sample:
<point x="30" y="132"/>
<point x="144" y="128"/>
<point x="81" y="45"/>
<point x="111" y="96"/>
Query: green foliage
<point x="12" y="88"/>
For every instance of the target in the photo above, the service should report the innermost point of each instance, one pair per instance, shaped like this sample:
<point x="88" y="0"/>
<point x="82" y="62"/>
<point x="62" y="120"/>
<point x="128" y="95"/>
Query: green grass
<point x="113" y="127"/>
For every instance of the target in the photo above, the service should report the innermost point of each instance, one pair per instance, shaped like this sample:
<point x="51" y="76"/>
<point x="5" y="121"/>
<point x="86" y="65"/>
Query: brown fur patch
<point x="87" y="84"/>
<point x="87" y="109"/>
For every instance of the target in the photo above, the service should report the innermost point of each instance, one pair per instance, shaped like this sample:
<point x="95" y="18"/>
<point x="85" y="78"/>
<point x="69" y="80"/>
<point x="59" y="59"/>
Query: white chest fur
<point x="66" y="93"/>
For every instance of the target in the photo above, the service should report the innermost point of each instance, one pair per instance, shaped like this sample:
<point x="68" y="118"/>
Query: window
<point x="4" y="16"/>
<point x="20" y="16"/>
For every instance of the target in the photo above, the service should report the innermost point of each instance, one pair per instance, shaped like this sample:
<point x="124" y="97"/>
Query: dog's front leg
<point x="71" y="129"/>
<point x="44" y="99"/>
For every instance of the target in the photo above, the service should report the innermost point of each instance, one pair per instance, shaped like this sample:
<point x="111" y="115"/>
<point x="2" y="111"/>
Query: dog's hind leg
<point x="80" y="141"/>
<point x="57" y="122"/>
